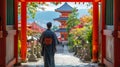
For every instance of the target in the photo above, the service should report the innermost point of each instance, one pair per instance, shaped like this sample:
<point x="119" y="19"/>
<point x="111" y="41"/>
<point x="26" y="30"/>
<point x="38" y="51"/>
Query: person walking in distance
<point x="48" y="42"/>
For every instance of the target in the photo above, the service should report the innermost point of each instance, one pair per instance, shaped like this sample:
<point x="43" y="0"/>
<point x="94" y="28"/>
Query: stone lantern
<point x="32" y="56"/>
<point x="38" y="54"/>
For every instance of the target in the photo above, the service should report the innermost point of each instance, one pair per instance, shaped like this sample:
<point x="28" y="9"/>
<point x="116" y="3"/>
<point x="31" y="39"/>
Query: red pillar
<point x="3" y="29"/>
<point x="95" y="36"/>
<point x="116" y="29"/>
<point x="16" y="28"/>
<point x="103" y="36"/>
<point x="23" y="31"/>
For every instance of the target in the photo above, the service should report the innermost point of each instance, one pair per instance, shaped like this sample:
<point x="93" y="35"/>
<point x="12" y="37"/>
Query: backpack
<point x="48" y="40"/>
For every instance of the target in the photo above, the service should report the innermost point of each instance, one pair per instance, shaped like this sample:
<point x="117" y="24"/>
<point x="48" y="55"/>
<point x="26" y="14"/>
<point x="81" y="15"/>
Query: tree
<point x="32" y="9"/>
<point x="72" y="19"/>
<point x="81" y="37"/>
<point x="86" y="19"/>
<point x="71" y="22"/>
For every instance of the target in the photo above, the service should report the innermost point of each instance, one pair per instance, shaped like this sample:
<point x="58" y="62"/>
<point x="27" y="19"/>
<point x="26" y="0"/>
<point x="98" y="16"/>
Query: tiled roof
<point x="61" y="18"/>
<point x="64" y="7"/>
<point x="61" y="30"/>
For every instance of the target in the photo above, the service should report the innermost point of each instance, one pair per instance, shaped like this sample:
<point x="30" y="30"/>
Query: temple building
<point x="65" y="10"/>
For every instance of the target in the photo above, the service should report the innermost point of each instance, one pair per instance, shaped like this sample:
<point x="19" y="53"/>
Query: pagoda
<point x="65" y="10"/>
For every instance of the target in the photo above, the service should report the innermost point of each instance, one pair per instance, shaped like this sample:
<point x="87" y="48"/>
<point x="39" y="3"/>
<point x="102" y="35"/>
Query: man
<point x="48" y="42"/>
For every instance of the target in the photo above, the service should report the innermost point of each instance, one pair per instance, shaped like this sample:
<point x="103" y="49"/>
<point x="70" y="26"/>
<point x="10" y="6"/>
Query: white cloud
<point x="51" y="7"/>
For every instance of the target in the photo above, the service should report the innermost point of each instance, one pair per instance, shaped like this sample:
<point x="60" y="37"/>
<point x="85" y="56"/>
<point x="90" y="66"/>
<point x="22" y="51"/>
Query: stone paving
<point x="62" y="59"/>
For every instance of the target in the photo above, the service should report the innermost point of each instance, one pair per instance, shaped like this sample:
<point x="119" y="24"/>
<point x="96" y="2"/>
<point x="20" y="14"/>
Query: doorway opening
<point x="74" y="38"/>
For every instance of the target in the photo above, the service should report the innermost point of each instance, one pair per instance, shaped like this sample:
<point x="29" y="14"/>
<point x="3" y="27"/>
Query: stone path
<point x="62" y="59"/>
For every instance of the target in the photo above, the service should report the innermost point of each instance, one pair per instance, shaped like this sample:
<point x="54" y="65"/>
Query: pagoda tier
<point x="61" y="19"/>
<point x="63" y="32"/>
<point x="65" y="14"/>
<point x="62" y="26"/>
<point x="62" y="22"/>
<point x="65" y="10"/>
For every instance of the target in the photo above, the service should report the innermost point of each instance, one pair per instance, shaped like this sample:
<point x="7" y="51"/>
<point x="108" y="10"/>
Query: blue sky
<point x="52" y="7"/>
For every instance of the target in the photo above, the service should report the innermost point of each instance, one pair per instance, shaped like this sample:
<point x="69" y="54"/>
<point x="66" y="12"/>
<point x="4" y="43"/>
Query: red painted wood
<point x="95" y="36"/>
<point x="23" y="31"/>
<point x="97" y="0"/>
<point x="116" y="39"/>
<point x="3" y="28"/>
<point x="103" y="36"/>
<point x="58" y="0"/>
<point x="16" y="28"/>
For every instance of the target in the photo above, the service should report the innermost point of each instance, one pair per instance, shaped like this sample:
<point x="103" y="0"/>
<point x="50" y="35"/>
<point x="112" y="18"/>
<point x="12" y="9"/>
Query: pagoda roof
<point x="64" y="8"/>
<point x="61" y="19"/>
<point x="61" y="30"/>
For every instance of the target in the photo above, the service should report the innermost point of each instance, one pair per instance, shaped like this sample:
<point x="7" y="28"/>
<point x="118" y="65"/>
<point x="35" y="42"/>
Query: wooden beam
<point x="23" y="0"/>
<point x="95" y="35"/>
<point x="116" y="29"/>
<point x="23" y="31"/>
<point x="16" y="28"/>
<point x="103" y="28"/>
<point x="97" y="0"/>
<point x="57" y="0"/>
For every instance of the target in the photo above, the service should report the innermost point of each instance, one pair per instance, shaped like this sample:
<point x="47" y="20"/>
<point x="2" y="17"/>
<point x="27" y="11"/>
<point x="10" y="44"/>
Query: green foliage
<point x="70" y="39"/>
<point x="54" y="28"/>
<point x="32" y="9"/>
<point x="19" y="8"/>
<point x="72" y="19"/>
<point x="89" y="38"/>
<point x="71" y="22"/>
<point x="81" y="37"/>
<point x="19" y="47"/>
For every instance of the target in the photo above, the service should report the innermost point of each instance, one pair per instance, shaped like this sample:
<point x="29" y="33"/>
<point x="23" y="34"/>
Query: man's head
<point x="49" y="25"/>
